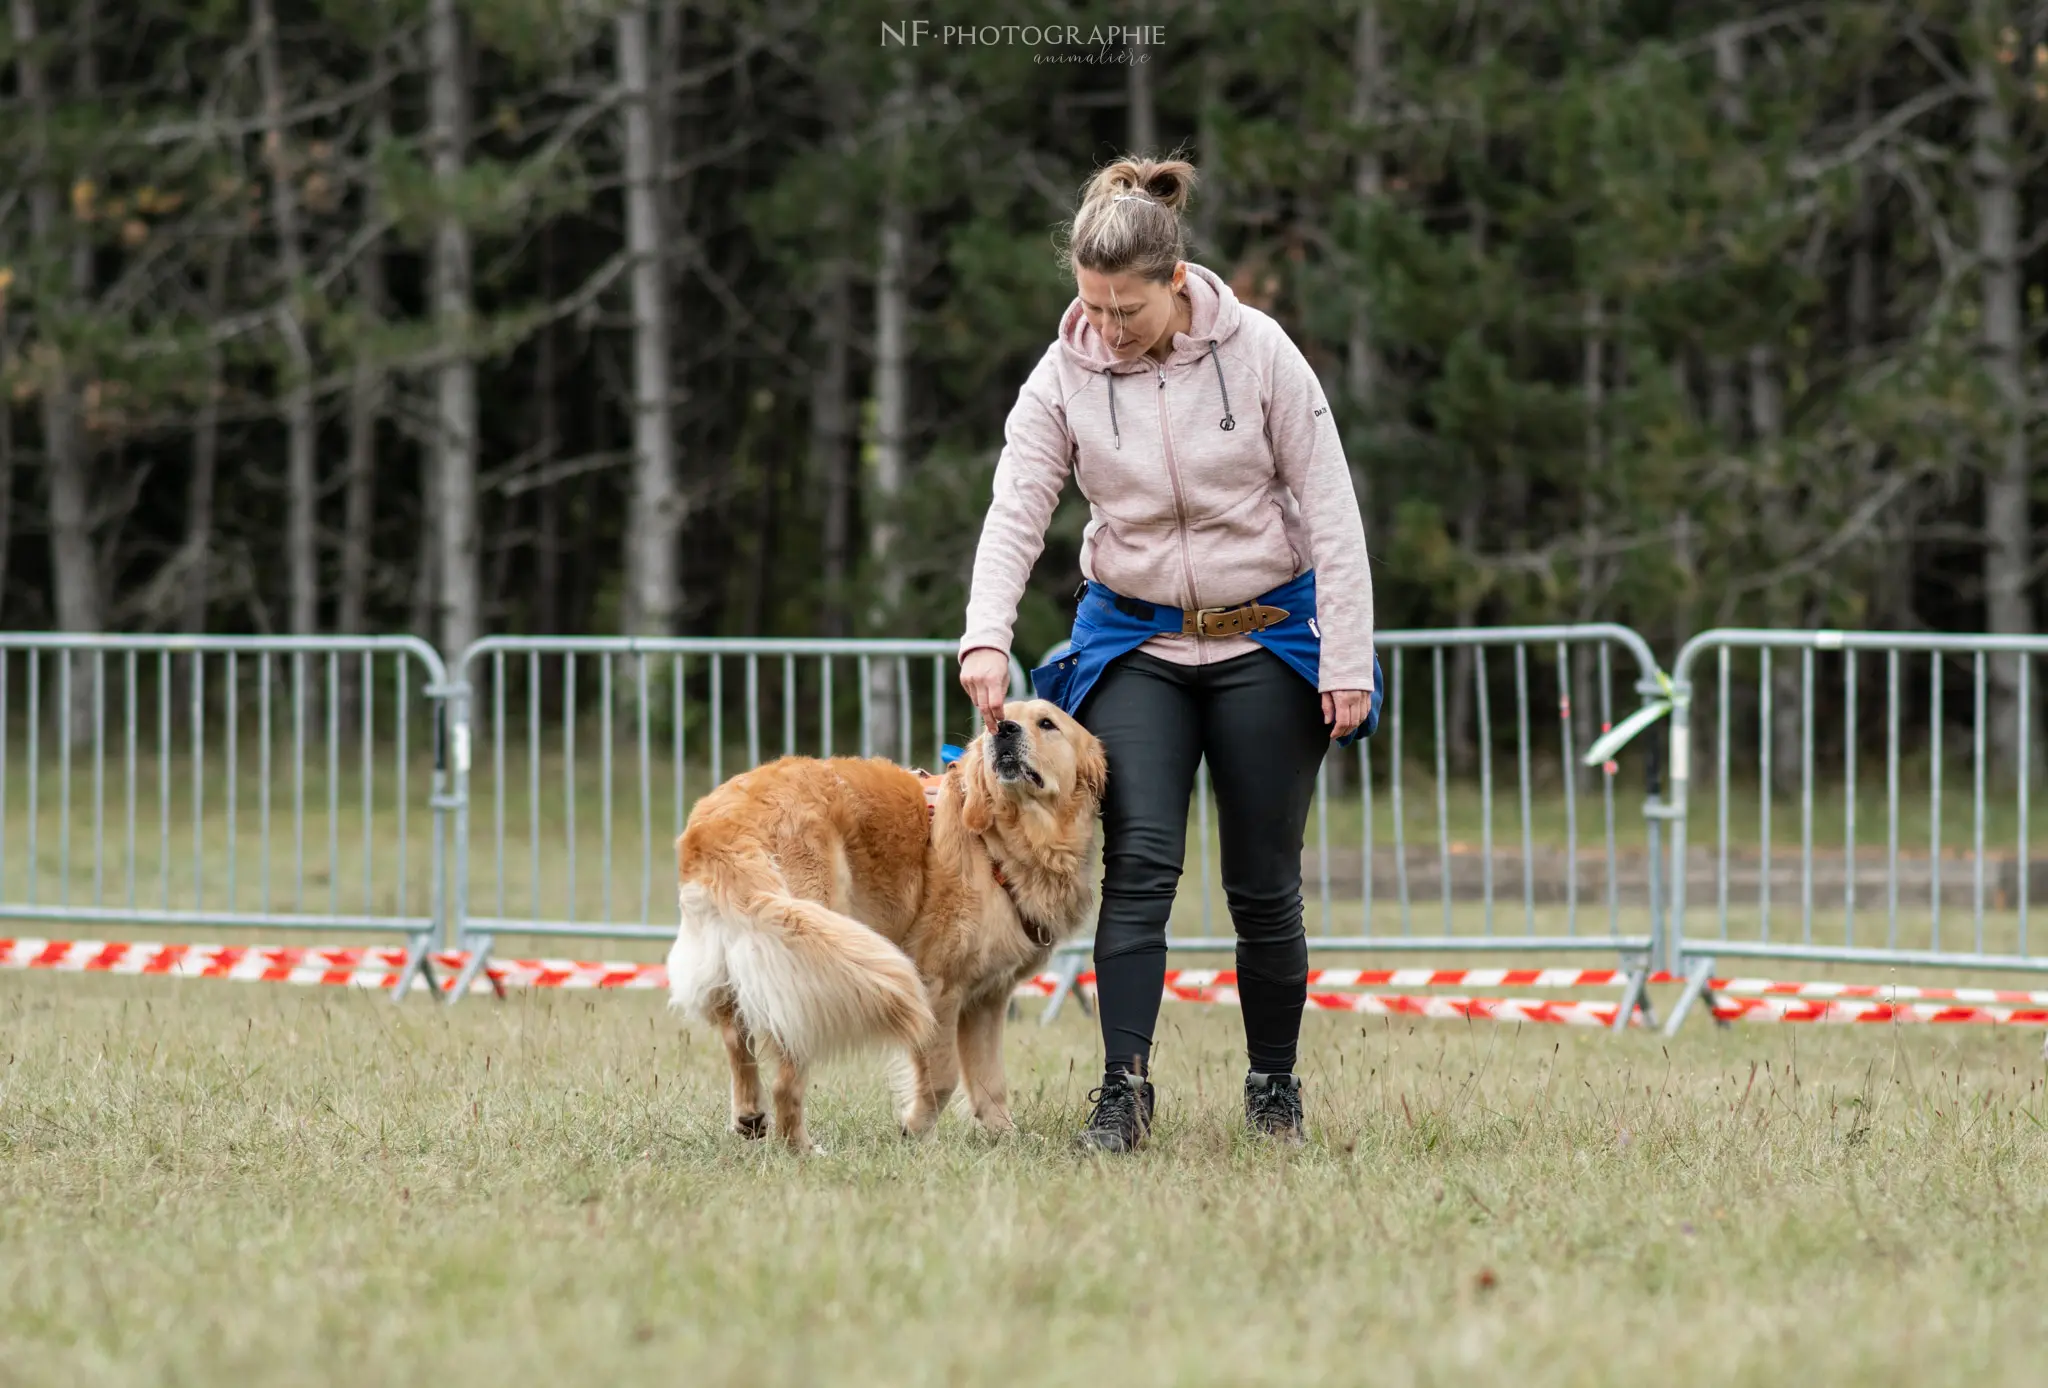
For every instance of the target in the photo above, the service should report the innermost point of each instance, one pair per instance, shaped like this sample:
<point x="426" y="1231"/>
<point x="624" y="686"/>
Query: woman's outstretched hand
<point x="985" y="675"/>
<point x="1344" y="710"/>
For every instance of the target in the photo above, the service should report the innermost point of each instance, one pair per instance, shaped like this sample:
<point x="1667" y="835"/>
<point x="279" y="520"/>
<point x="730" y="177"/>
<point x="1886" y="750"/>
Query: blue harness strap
<point x="1108" y="626"/>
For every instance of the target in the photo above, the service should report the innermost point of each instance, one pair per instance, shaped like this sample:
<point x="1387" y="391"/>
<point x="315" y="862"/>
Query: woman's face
<point x="1133" y="314"/>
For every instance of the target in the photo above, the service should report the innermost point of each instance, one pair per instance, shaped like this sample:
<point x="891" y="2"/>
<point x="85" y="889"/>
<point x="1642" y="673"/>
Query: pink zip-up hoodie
<point x="1211" y="478"/>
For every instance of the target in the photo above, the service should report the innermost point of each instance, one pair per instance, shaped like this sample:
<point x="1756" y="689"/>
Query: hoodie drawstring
<point x="1229" y="420"/>
<point x="1227" y="423"/>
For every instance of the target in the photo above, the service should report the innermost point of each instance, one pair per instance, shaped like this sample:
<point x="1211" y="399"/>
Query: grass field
<point x="205" y="1182"/>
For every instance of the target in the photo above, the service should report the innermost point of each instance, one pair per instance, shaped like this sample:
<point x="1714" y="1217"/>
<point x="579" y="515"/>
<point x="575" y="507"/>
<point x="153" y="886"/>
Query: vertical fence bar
<point x="1365" y="829"/>
<point x="263" y="681"/>
<point x="6" y="736"/>
<point x="867" y="707"/>
<point x="1443" y="806"/>
<point x="1934" y="823"/>
<point x="1725" y="699"/>
<point x="569" y="776"/>
<point x="604" y="768"/>
<point x="1849" y="747"/>
<point x="163" y="773"/>
<point x="1606" y="677"/>
<point x="1891" y="776"/>
<point x="536" y="694"/>
<point x="1400" y="819"/>
<point x="1485" y="782"/>
<point x="64" y="709"/>
<point x="99" y="780"/>
<point x="647" y="790"/>
<point x="753" y="711"/>
<point x="366" y="676"/>
<point x="1767" y="735"/>
<point x="2026" y="764"/>
<point x="2025" y="772"/>
<point x="1522" y="752"/>
<point x="789" y="706"/>
<point x="1978" y="721"/>
<point x="299" y="779"/>
<point x="1323" y="839"/>
<point x="198" y="780"/>
<point x="1571" y="789"/>
<point x="498" y="777"/>
<point x="404" y="776"/>
<point x="825" y="706"/>
<point x="938" y="713"/>
<point x="680" y="741"/>
<point x="333" y="783"/>
<point x="131" y="716"/>
<point x="717" y="720"/>
<point x="233" y="702"/>
<point x="34" y="755"/>
<point x="901" y="688"/>
<point x="1806" y="794"/>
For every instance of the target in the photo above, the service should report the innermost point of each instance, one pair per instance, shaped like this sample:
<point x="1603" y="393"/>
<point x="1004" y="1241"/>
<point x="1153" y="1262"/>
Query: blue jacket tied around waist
<point x="1108" y="626"/>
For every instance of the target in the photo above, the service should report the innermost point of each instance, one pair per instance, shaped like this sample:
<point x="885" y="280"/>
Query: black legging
<point x="1261" y="726"/>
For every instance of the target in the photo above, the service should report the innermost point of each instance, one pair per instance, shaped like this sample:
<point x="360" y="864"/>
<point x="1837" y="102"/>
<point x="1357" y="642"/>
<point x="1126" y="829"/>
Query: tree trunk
<point x="1209" y="139"/>
<point x="66" y="450"/>
<point x="198" y="547"/>
<point x="1141" y="128"/>
<point x="301" y="556"/>
<point x="1361" y="365"/>
<point x="1862" y="304"/>
<point x="2008" y="530"/>
<point x="654" y="521"/>
<point x="67" y="459"/>
<point x="426" y="573"/>
<point x="455" y="440"/>
<point x="547" y="615"/>
<point x="365" y="406"/>
<point x="831" y="458"/>
<point x="891" y="418"/>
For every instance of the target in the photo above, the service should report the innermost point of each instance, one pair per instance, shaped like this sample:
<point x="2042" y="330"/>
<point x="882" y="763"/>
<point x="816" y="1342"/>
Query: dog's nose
<point x="1009" y="729"/>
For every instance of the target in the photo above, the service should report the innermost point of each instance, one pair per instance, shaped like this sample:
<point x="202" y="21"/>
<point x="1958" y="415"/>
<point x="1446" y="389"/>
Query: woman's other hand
<point x="1343" y="709"/>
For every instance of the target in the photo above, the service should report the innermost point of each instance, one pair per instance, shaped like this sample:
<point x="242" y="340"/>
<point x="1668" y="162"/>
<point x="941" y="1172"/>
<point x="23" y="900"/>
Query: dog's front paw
<point x="751" y="1126"/>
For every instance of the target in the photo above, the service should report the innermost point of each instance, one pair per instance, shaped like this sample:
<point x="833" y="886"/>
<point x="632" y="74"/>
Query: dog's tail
<point x="811" y="980"/>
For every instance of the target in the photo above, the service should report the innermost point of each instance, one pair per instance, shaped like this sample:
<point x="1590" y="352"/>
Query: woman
<point x="1224" y="548"/>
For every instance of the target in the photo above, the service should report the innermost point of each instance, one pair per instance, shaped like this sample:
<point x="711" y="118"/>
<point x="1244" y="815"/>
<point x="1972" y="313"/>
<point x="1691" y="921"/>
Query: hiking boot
<point x="1122" y="1116"/>
<point x="1272" y="1105"/>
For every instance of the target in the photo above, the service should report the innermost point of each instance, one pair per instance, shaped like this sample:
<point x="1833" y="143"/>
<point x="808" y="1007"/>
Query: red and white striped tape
<point x="1780" y="1009"/>
<point x="1738" y="999"/>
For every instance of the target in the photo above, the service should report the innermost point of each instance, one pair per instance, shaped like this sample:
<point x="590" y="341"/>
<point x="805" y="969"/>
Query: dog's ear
<point x="1092" y="771"/>
<point x="977" y="812"/>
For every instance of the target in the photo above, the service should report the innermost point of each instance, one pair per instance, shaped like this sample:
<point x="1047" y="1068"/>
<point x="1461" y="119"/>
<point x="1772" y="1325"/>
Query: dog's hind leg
<point x="981" y="1064"/>
<point x="748" y="1120"/>
<point x="934" y="1072"/>
<point x="790" y="1079"/>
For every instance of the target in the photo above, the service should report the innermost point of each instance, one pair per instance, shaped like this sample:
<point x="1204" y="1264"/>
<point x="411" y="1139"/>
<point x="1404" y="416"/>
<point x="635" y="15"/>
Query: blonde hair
<point x="1129" y="221"/>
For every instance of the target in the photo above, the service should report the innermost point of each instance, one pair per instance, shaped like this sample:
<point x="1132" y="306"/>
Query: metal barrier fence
<point x="223" y="756"/>
<point x="1885" y="906"/>
<point x="1564" y="875"/>
<point x="679" y="713"/>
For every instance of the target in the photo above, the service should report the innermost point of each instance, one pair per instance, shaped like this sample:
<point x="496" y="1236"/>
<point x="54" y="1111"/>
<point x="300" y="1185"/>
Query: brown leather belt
<point x="1230" y="621"/>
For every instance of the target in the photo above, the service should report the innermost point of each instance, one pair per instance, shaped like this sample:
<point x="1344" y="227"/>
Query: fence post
<point x="451" y="812"/>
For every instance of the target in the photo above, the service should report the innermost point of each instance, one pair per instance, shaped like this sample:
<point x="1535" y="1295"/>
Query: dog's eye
<point x="1047" y="724"/>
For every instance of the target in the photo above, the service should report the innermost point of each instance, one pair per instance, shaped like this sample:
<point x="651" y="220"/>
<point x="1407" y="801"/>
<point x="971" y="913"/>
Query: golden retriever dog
<point x="833" y="904"/>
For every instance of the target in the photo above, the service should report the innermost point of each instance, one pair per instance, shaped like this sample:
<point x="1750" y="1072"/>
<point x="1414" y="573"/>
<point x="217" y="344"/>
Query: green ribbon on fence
<point x="1621" y="734"/>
